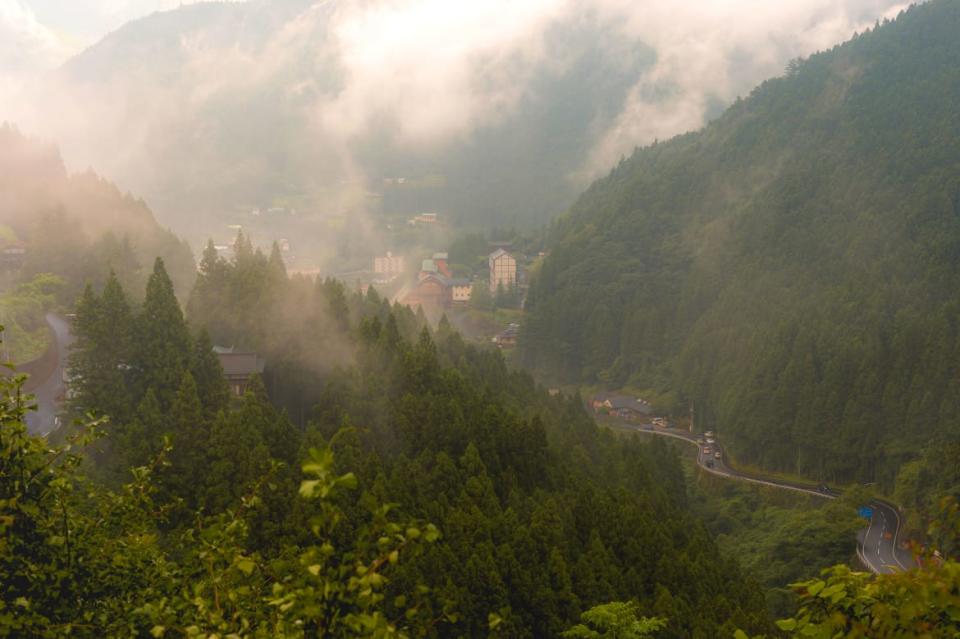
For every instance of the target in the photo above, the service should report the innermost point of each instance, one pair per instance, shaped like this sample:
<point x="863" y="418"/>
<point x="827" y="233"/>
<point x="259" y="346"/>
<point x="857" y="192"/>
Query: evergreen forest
<point x="790" y="271"/>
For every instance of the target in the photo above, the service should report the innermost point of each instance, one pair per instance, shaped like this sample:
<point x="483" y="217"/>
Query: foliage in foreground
<point x="615" y="620"/>
<point x="923" y="603"/>
<point x="76" y="560"/>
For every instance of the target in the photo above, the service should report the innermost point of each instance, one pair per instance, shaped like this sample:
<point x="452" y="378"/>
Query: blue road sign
<point x="865" y="511"/>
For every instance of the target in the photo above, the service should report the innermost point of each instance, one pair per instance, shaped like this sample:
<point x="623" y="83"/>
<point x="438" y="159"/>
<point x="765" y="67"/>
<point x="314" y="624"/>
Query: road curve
<point x="877" y="545"/>
<point x="49" y="392"/>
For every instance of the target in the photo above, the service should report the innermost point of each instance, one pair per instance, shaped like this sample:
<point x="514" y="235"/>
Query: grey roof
<point x="623" y="402"/>
<point x="241" y="364"/>
<point x="434" y="276"/>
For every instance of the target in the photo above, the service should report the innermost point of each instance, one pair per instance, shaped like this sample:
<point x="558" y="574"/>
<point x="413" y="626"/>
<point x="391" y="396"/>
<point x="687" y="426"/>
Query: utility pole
<point x="691" y="417"/>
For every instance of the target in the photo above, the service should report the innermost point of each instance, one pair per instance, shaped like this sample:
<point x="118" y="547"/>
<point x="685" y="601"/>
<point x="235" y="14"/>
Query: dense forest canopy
<point x="791" y="270"/>
<point x="540" y="515"/>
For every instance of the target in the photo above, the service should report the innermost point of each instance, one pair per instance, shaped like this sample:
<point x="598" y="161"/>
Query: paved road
<point x="877" y="545"/>
<point x="49" y="392"/>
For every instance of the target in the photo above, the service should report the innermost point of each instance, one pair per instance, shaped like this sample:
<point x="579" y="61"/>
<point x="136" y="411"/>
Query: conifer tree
<point x="190" y="435"/>
<point x="163" y="342"/>
<point x="276" y="265"/>
<point x="207" y="372"/>
<point x="238" y="457"/>
<point x="100" y="361"/>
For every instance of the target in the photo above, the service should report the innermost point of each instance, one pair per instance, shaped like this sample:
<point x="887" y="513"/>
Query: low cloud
<point x="219" y="93"/>
<point x="26" y="47"/>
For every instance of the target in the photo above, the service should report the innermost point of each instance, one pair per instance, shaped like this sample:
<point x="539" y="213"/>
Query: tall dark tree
<point x="212" y="387"/>
<point x="101" y="358"/>
<point x="162" y="341"/>
<point x="190" y="436"/>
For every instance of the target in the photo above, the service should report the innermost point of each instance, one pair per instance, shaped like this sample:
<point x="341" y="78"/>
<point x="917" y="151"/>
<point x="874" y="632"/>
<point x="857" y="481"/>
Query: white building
<point x="460" y="290"/>
<point x="503" y="270"/>
<point x="388" y="264"/>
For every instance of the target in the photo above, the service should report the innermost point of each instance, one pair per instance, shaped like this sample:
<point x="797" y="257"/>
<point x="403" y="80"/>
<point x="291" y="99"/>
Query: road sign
<point x="865" y="511"/>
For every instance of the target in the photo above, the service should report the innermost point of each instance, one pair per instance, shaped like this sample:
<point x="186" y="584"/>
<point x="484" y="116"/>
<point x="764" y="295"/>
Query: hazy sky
<point x="443" y="68"/>
<point x="80" y="22"/>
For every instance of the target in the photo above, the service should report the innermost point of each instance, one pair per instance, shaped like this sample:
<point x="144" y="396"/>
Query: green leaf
<point x="787" y="624"/>
<point x="308" y="486"/>
<point x="246" y="566"/>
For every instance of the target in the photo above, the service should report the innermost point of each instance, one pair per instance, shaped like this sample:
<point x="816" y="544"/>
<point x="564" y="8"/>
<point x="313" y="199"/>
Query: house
<point x="13" y="254"/>
<point x="503" y="270"/>
<point x="428" y="267"/>
<point x="424" y="218"/>
<point x="598" y="403"/>
<point x="507" y="338"/>
<point x="460" y="291"/>
<point x="239" y="367"/>
<point x="622" y="406"/>
<point x="440" y="260"/>
<point x="431" y="290"/>
<point x="388" y="264"/>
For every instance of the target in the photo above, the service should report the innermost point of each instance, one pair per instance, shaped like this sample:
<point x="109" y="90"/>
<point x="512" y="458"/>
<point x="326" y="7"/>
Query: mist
<point x="215" y="109"/>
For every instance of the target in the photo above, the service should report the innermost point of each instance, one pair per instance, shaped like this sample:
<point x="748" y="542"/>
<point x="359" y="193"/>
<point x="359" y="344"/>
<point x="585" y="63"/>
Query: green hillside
<point x="78" y="226"/>
<point x="791" y="269"/>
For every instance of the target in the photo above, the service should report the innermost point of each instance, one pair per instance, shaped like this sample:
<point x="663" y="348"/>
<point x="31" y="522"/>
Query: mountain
<point x="791" y="271"/>
<point x="222" y="108"/>
<point x="76" y="226"/>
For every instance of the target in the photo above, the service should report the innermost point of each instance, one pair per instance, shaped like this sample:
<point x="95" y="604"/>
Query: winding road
<point x="878" y="545"/>
<point x="49" y="392"/>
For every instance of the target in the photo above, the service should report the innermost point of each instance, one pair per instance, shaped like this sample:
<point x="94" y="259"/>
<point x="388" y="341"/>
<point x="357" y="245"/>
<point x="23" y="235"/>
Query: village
<point x="432" y="285"/>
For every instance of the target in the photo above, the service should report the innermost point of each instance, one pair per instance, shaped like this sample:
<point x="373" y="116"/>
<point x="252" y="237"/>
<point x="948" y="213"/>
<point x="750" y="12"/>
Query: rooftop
<point x="237" y="364"/>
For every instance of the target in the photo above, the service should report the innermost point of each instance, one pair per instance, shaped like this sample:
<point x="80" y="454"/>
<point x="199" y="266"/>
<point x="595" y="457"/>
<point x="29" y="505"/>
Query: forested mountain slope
<point x="792" y="268"/>
<point x="220" y="105"/>
<point x="77" y="226"/>
<point x="540" y="514"/>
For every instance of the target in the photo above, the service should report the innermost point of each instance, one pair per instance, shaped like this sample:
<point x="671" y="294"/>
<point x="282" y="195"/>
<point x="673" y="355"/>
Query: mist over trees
<point x="78" y="226"/>
<point x="538" y="515"/>
<point x="790" y="270"/>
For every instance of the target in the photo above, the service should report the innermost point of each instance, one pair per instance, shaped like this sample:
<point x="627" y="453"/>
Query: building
<point x="622" y="406"/>
<point x="431" y="290"/>
<point x="507" y="338"/>
<point x="428" y="267"/>
<point x="13" y="254"/>
<point x="460" y="291"/>
<point x="239" y="368"/>
<point x="423" y="218"/>
<point x="440" y="260"/>
<point x="503" y="270"/>
<point x="388" y="264"/>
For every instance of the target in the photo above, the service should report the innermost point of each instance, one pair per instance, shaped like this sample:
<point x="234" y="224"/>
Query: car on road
<point x="711" y="440"/>
<point x="708" y="434"/>
<point x="717" y="454"/>
<point x="707" y="450"/>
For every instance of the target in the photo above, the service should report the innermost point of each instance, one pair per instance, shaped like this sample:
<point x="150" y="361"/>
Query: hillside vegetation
<point x="78" y="226"/>
<point x="791" y="270"/>
<point x="534" y="514"/>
